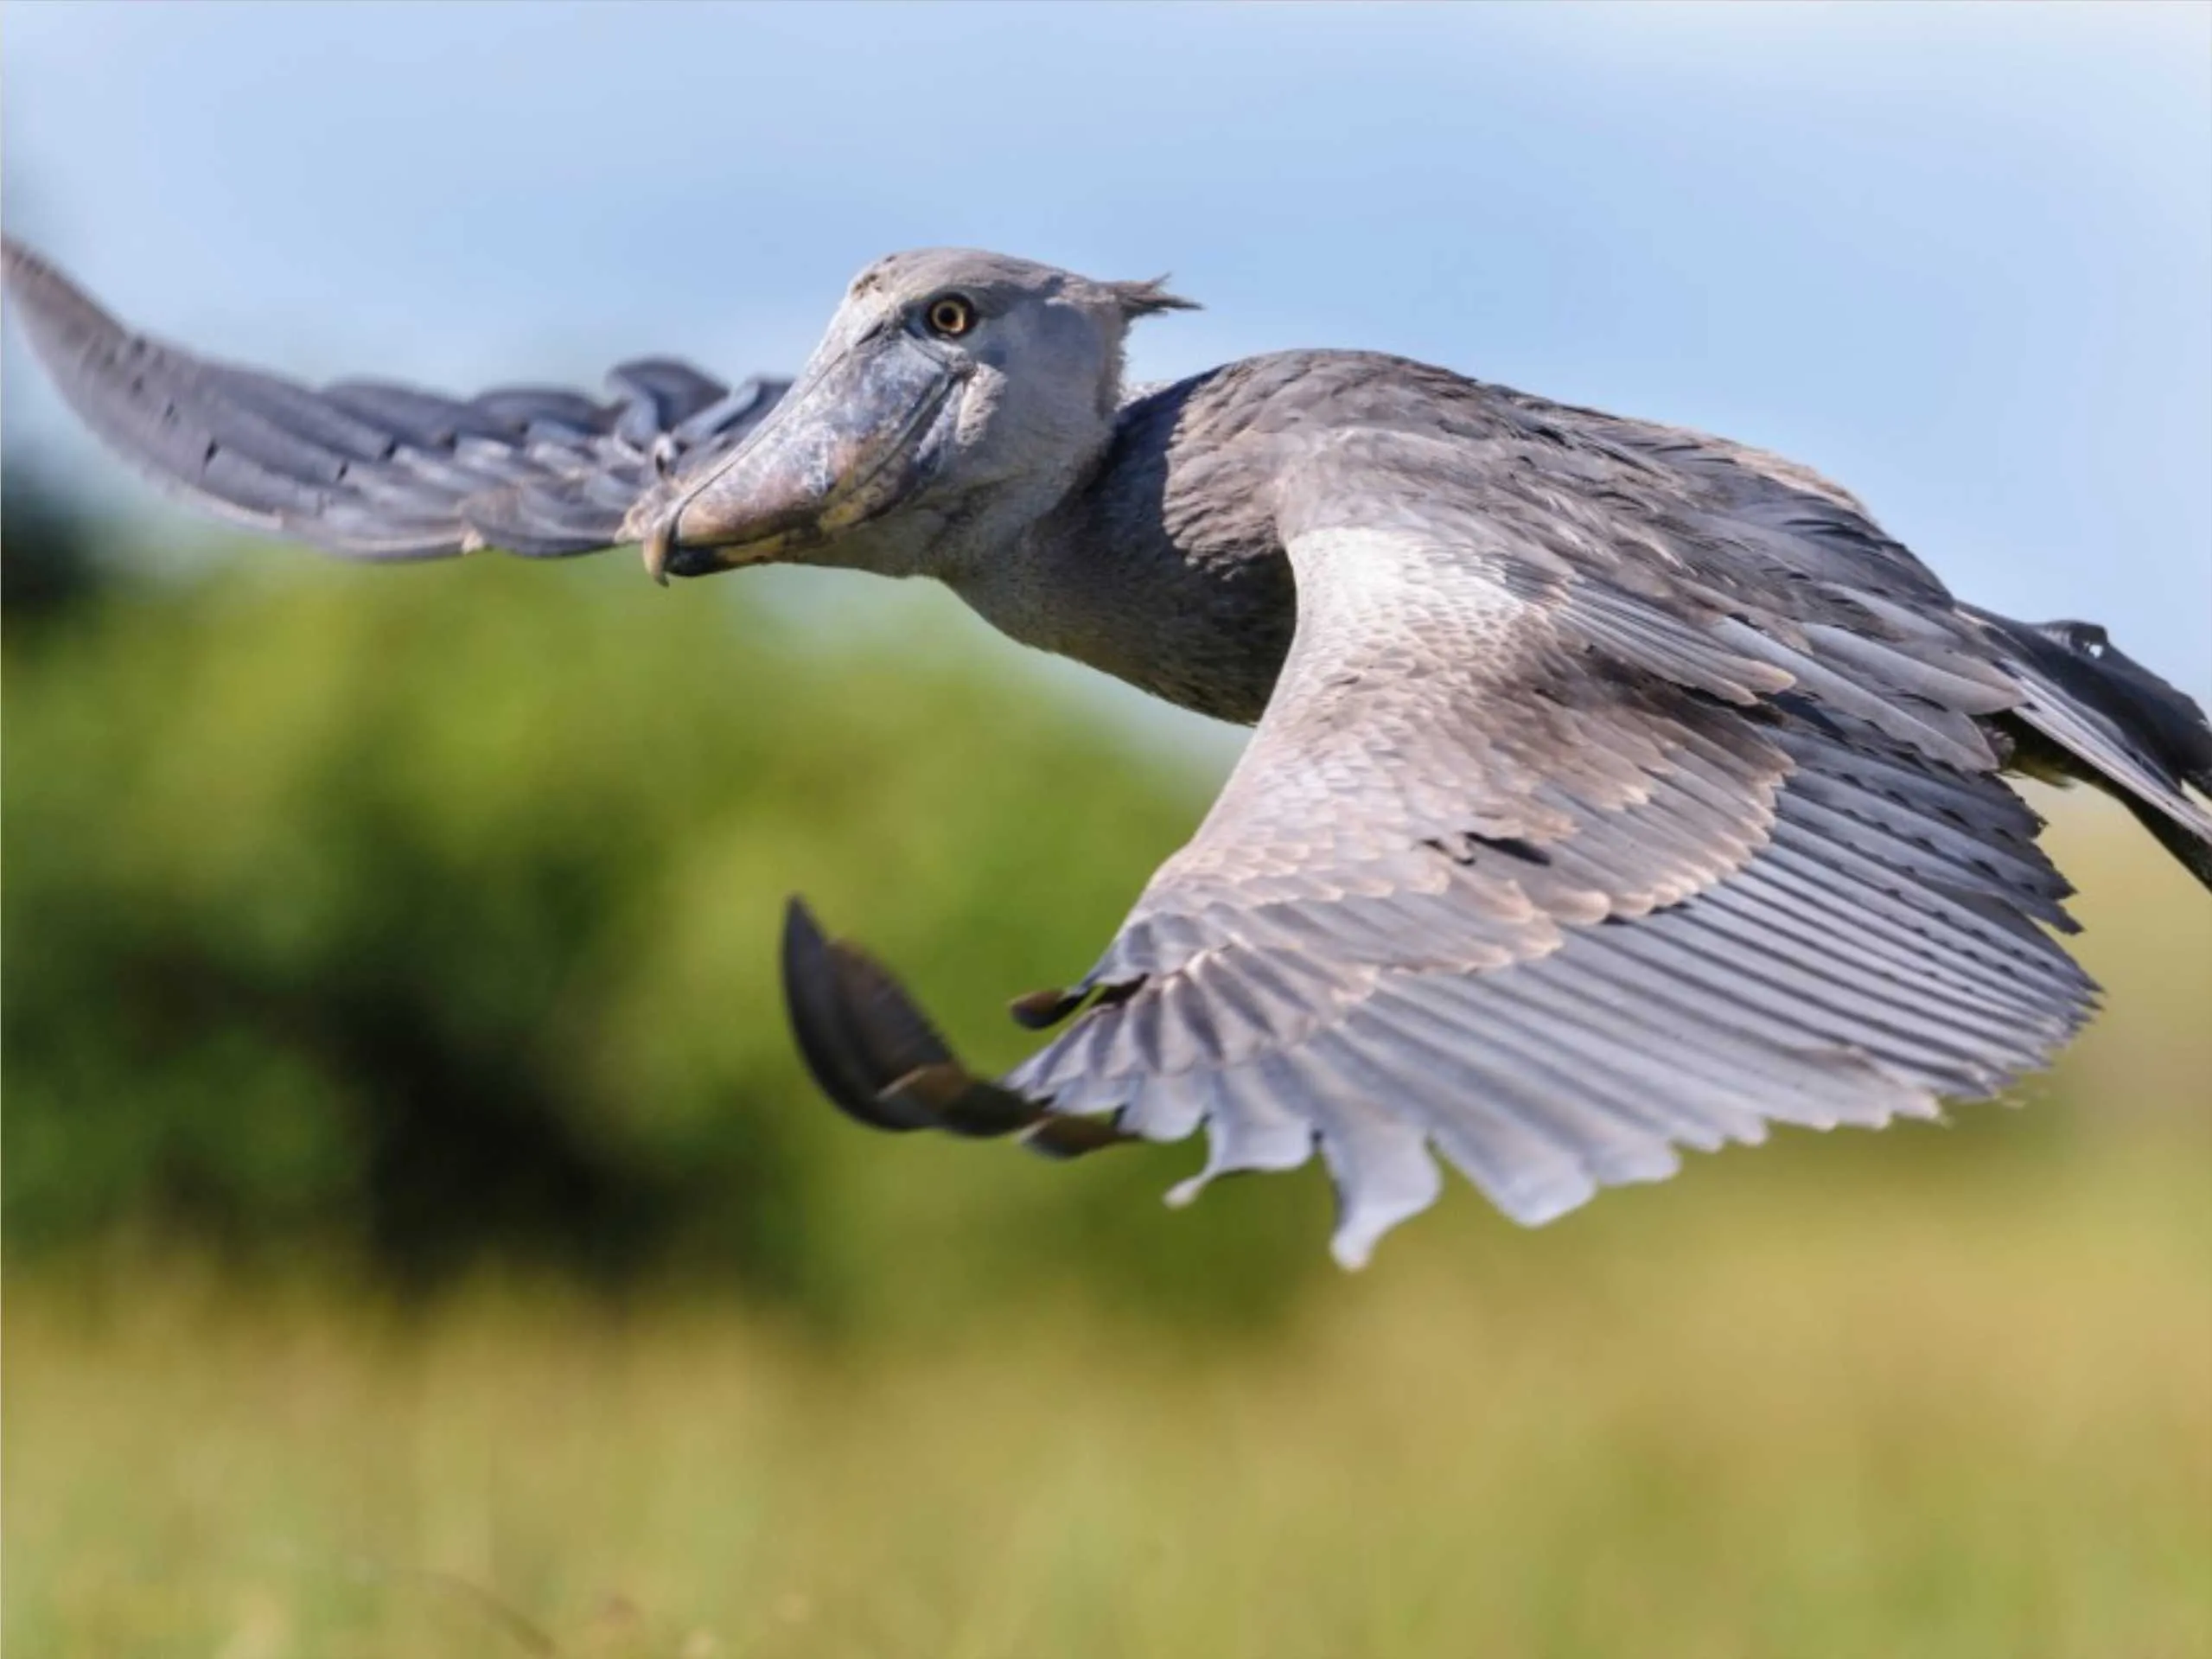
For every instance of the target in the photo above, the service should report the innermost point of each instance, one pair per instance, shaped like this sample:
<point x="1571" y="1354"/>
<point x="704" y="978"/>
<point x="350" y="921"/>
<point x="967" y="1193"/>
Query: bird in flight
<point x="1614" y="788"/>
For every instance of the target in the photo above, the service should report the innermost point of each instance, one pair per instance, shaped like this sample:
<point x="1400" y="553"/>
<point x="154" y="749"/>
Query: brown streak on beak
<point x="658" y="543"/>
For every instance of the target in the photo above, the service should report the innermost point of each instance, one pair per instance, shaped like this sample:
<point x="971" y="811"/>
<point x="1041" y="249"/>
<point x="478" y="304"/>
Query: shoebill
<point x="1613" y="788"/>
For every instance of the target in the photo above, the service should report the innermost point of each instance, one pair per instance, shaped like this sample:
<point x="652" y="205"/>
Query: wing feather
<point x="1559" y="863"/>
<point x="371" y="470"/>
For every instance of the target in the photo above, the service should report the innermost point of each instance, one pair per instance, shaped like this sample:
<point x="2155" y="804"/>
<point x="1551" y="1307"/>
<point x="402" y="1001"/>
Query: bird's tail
<point x="2093" y="713"/>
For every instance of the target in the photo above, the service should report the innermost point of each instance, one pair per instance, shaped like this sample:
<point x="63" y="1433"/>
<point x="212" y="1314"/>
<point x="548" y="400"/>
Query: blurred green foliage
<point x="1946" y="1407"/>
<point x="420" y="919"/>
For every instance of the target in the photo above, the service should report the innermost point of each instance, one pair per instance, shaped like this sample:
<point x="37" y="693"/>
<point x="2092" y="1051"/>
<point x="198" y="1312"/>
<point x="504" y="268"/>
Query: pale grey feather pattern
<point x="369" y="469"/>
<point x="1556" y="857"/>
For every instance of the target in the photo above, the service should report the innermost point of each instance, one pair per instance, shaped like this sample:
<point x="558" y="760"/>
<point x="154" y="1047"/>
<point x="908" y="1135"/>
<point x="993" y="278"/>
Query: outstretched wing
<point x="372" y="470"/>
<point x="1617" y="796"/>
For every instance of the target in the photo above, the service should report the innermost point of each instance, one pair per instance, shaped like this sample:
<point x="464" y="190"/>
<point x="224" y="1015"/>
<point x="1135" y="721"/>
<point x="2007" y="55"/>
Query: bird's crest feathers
<point x="1148" y="298"/>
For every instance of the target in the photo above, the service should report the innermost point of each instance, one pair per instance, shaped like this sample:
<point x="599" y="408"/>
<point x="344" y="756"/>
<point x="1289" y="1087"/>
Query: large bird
<point x="1614" y="789"/>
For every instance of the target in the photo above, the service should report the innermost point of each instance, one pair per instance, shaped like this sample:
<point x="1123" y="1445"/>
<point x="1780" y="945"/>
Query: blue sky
<point x="1959" y="258"/>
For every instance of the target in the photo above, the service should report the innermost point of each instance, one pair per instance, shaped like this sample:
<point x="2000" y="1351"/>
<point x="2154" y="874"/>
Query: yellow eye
<point x="951" y="316"/>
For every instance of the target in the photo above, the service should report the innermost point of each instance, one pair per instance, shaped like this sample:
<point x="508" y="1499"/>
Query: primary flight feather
<point x="1615" y="789"/>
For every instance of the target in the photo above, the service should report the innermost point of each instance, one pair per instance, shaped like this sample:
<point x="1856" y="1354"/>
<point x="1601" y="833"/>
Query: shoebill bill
<point x="1612" y="789"/>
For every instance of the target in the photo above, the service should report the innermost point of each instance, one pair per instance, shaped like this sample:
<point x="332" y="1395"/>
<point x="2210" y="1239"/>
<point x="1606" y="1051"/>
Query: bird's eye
<point x="951" y="316"/>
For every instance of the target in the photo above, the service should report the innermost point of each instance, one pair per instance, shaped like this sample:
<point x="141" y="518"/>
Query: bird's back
<point x="1168" y="570"/>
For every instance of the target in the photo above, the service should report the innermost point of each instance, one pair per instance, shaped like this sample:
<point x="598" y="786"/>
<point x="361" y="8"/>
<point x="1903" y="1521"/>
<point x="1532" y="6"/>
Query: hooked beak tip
<point x="657" y="544"/>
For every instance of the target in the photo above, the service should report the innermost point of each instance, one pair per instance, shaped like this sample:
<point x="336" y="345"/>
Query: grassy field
<point x="1945" y="1414"/>
<point x="1944" y="1394"/>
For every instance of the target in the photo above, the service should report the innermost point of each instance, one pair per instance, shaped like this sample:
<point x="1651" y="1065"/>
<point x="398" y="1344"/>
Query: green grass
<point x="1949" y="1411"/>
<point x="1934" y="1392"/>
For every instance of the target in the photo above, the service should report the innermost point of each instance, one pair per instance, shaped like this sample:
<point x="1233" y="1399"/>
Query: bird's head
<point x="951" y="384"/>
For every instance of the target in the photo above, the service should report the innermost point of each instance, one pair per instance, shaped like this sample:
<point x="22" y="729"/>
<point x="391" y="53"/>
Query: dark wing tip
<point x="821" y="1022"/>
<point x="871" y="1048"/>
<point x="1040" y="1010"/>
<point x="952" y="1098"/>
<point x="1062" y="1138"/>
<point x="876" y="1055"/>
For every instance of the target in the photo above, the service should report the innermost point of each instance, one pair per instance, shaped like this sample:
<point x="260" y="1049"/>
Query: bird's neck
<point x="1142" y="569"/>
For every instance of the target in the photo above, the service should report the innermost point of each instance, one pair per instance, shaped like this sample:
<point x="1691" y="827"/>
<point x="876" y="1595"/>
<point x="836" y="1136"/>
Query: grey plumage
<point x="372" y="470"/>
<point x="1616" y="789"/>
